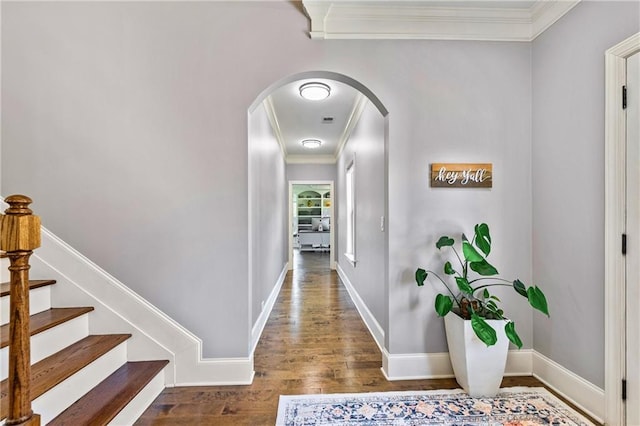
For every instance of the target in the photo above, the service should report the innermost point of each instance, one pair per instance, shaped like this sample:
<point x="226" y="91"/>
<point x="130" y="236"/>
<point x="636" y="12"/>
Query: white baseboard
<point x="438" y="365"/>
<point x="369" y="320"/>
<point x="258" y="327"/>
<point x="524" y="362"/>
<point x="583" y="394"/>
<point x="578" y="391"/>
<point x="118" y="309"/>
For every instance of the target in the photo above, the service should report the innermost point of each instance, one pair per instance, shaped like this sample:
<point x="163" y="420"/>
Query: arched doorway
<point x="364" y="135"/>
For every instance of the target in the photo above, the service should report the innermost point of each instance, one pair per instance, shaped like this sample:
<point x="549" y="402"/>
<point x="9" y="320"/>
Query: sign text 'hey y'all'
<point x="461" y="175"/>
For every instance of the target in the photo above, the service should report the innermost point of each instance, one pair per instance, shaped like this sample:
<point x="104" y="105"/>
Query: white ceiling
<point x="299" y="118"/>
<point x="295" y="118"/>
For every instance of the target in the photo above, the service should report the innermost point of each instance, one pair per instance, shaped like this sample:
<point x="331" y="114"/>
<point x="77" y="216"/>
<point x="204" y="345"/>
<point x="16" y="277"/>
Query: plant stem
<point x="463" y="264"/>
<point x="445" y="284"/>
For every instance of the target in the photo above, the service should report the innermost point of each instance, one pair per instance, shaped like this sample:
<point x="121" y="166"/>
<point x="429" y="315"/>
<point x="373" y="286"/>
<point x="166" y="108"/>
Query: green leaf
<point x="470" y="253"/>
<point x="510" y="331"/>
<point x="486" y="294"/>
<point x="537" y="299"/>
<point x="495" y="298"/>
<point x="520" y="288"/>
<point x="448" y="269"/>
<point x="444" y="242"/>
<point x="483" y="239"/>
<point x="483" y="330"/>
<point x="443" y="304"/>
<point x="483" y="268"/>
<point x="421" y="275"/>
<point x="463" y="285"/>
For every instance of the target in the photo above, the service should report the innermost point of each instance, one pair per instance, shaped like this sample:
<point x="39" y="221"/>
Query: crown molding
<point x="275" y="124"/>
<point x="354" y="118"/>
<point x="352" y="19"/>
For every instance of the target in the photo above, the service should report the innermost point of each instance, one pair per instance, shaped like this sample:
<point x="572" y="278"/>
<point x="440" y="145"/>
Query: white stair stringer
<point x="118" y="309"/>
<point x="50" y="341"/>
<point x="39" y="300"/>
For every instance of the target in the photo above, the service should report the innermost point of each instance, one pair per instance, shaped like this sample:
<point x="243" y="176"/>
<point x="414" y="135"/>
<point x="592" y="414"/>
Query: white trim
<point x="358" y="108"/>
<point x="119" y="309"/>
<point x="583" y="394"/>
<point x="258" y="327"/>
<point x="574" y="388"/>
<point x="332" y="235"/>
<point x="376" y="331"/>
<point x="438" y="365"/>
<point x="615" y="204"/>
<point x="275" y="124"/>
<point x="424" y="20"/>
<point x="545" y="13"/>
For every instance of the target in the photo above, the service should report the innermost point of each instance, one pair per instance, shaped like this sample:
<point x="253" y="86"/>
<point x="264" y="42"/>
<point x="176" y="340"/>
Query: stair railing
<point x="19" y="236"/>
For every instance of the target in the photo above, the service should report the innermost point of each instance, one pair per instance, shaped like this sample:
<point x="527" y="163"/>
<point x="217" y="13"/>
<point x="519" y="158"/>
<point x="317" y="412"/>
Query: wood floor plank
<point x="5" y="287"/>
<point x="314" y="342"/>
<point x="45" y="320"/>
<point x="52" y="370"/>
<point x="105" y="401"/>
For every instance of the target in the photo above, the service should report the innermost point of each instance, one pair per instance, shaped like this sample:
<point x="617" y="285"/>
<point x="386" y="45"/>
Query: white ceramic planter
<point x="479" y="369"/>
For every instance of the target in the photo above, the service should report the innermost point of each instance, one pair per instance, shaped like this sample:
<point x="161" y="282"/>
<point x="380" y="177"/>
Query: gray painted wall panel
<point x="366" y="145"/>
<point x="268" y="210"/>
<point x="311" y="172"/>
<point x="568" y="180"/>
<point x="460" y="102"/>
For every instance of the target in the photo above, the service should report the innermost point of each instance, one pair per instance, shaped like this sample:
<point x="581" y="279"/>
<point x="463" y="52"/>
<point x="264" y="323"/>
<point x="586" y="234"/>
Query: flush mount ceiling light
<point x="315" y="91"/>
<point x="311" y="143"/>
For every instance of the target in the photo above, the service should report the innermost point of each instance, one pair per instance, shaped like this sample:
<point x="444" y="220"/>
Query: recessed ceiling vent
<point x="327" y="120"/>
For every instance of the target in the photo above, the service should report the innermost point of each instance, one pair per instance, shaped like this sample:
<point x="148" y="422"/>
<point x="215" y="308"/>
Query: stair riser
<point x="39" y="300"/>
<point x="140" y="403"/>
<point x="4" y="270"/>
<point x="50" y="341"/>
<point x="52" y="403"/>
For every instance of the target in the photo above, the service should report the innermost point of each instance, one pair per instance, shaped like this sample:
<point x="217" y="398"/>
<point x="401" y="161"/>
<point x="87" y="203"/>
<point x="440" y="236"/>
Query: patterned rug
<point x="512" y="407"/>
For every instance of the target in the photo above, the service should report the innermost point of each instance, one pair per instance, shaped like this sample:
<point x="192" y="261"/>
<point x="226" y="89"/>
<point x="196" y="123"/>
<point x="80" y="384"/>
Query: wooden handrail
<point x="19" y="236"/>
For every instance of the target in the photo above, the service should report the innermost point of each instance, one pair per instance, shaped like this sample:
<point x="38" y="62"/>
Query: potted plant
<point x="478" y="332"/>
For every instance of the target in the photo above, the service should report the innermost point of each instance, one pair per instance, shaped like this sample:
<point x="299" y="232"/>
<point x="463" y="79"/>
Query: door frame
<point x="333" y="223"/>
<point x="615" y="226"/>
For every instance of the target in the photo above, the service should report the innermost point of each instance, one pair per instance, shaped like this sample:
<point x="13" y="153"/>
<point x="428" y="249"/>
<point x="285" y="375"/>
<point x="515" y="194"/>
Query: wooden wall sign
<point x="461" y="175"/>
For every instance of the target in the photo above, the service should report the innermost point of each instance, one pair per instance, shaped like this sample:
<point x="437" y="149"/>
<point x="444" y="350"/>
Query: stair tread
<point x="100" y="405"/>
<point x="5" y="287"/>
<point x="45" y="320"/>
<point x="56" y="368"/>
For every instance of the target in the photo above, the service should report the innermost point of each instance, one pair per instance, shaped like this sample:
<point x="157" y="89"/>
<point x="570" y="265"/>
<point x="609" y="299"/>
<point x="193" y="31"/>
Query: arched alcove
<point x="368" y="277"/>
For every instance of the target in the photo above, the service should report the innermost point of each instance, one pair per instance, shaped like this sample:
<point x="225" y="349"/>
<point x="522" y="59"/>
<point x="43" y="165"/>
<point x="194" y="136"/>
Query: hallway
<point x="314" y="342"/>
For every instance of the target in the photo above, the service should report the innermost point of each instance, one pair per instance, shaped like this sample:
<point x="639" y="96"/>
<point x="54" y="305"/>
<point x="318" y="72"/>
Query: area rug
<point x="512" y="407"/>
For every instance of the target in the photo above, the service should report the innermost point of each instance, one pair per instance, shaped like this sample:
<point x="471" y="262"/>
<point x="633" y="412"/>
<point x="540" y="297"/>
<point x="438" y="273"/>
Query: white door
<point x="633" y="245"/>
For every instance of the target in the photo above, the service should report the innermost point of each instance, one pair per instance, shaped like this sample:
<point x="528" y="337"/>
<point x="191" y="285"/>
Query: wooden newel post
<point x="19" y="236"/>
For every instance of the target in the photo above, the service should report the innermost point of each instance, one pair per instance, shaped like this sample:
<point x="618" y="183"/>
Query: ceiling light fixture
<point x="315" y="91"/>
<point x="311" y="143"/>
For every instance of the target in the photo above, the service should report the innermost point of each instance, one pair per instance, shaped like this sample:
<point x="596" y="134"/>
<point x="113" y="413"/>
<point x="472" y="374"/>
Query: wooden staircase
<point x="76" y="378"/>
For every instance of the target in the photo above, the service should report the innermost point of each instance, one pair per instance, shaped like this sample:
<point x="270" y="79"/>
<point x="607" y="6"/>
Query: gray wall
<point x="568" y="180"/>
<point x="127" y="123"/>
<point x="458" y="102"/>
<point x="366" y="144"/>
<point x="311" y="172"/>
<point x="268" y="194"/>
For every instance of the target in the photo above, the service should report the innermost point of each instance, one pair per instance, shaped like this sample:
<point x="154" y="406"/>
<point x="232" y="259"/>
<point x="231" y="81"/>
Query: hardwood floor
<point x="314" y="342"/>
